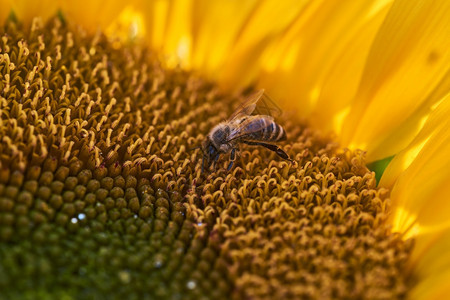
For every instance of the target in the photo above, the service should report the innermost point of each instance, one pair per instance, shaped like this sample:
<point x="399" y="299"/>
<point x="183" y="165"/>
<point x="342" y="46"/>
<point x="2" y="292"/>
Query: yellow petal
<point x="433" y="269"/>
<point x="420" y="202"/>
<point x="407" y="130"/>
<point x="93" y="15"/>
<point x="245" y="48"/>
<point x="420" y="193"/>
<point x="178" y="34"/>
<point x="156" y="16"/>
<point x="221" y="39"/>
<point x="434" y="127"/>
<point x="4" y="12"/>
<point x="407" y="62"/>
<point x="315" y="68"/>
<point x="339" y="83"/>
<point x="216" y="27"/>
<point x="200" y="30"/>
<point x="129" y="25"/>
<point x="169" y="29"/>
<point x="26" y="10"/>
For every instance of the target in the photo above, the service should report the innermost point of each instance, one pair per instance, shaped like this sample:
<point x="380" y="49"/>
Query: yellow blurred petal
<point x="432" y="267"/>
<point x="222" y="39"/>
<point x="93" y="15"/>
<point x="216" y="27"/>
<point x="420" y="174"/>
<point x="422" y="190"/>
<point x="178" y="34"/>
<point x="26" y="10"/>
<point x="169" y="29"/>
<point x="431" y="253"/>
<point x="4" y="12"/>
<point x="156" y="15"/>
<point x="315" y="68"/>
<point x="434" y="128"/>
<point x="412" y="212"/>
<point x="339" y="83"/>
<point x="434" y="287"/>
<point x="129" y="25"/>
<point x="406" y="64"/>
<point x="396" y="139"/>
<point x="267" y="20"/>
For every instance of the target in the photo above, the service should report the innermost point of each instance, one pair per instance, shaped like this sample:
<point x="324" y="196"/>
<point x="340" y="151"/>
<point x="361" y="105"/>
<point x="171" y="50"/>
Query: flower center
<point x="101" y="194"/>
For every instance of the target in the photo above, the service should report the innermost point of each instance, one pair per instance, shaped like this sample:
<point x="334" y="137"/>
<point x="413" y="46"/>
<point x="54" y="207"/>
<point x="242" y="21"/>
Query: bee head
<point x="210" y="153"/>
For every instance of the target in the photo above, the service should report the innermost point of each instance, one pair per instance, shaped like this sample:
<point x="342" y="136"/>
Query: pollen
<point x="102" y="196"/>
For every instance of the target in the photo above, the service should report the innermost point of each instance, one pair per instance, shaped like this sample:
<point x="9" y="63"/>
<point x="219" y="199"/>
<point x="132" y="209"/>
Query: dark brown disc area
<point x="101" y="196"/>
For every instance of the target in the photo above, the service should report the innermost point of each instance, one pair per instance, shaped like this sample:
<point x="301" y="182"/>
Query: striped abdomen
<point x="261" y="128"/>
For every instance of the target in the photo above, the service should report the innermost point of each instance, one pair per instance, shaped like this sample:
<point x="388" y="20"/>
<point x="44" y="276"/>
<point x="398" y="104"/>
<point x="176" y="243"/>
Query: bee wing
<point x="266" y="106"/>
<point x="249" y="126"/>
<point x="258" y="103"/>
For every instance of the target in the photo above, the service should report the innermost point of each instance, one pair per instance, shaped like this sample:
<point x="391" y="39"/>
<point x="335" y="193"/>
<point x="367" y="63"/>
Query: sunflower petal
<point x="419" y="175"/>
<point x="433" y="268"/>
<point x="213" y="19"/>
<point x="405" y="68"/>
<point x="245" y="29"/>
<point x="128" y="26"/>
<point x="27" y="10"/>
<point x="93" y="14"/>
<point x="178" y="35"/>
<point x="266" y="20"/>
<point x="6" y="9"/>
<point x="156" y="15"/>
<point x="340" y="83"/>
<point x="315" y="68"/>
<point x="169" y="29"/>
<point x="216" y="19"/>
<point x="434" y="127"/>
<point x="426" y="166"/>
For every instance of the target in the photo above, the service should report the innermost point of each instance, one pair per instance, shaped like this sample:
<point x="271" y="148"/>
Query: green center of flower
<point x="101" y="196"/>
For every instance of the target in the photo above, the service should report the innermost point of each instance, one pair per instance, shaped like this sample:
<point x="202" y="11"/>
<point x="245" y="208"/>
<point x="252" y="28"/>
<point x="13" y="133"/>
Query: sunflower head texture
<point x="101" y="194"/>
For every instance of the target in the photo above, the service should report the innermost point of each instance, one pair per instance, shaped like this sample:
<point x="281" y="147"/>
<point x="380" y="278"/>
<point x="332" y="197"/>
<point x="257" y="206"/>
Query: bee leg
<point x="215" y="161"/>
<point x="232" y="158"/>
<point x="280" y="152"/>
<point x="203" y="165"/>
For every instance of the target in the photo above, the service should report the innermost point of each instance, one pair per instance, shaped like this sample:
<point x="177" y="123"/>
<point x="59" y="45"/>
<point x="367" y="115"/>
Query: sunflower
<point x="101" y="196"/>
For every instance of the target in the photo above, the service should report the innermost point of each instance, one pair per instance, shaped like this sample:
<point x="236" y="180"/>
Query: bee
<point x="243" y="126"/>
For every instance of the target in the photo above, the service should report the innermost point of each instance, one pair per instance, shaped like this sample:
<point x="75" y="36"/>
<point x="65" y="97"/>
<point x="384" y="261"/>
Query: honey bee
<point x="243" y="126"/>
